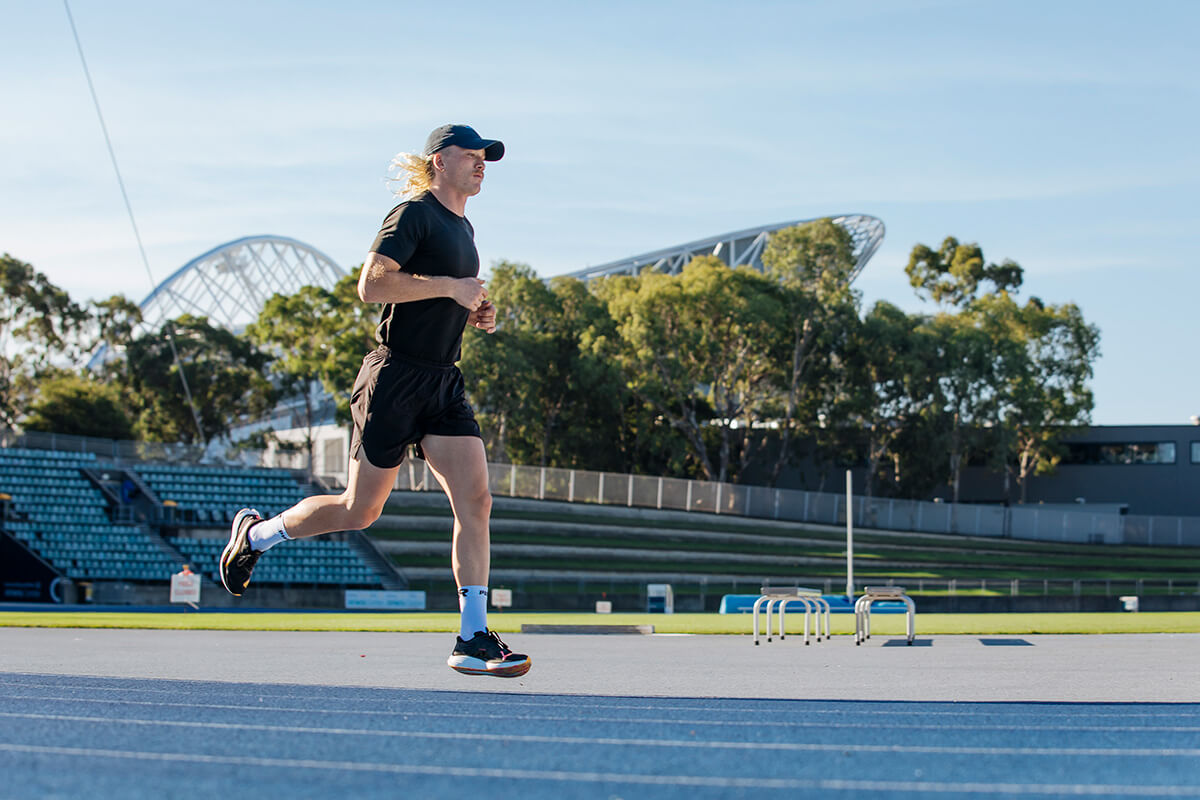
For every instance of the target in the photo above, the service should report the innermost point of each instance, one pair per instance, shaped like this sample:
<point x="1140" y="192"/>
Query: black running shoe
<point x="238" y="558"/>
<point x="485" y="654"/>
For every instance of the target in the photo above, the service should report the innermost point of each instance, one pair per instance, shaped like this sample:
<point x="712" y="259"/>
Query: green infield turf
<point x="885" y="624"/>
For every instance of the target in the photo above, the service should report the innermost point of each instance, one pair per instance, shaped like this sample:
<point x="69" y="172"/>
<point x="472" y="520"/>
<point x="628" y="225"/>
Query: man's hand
<point x="469" y="293"/>
<point x="483" y="317"/>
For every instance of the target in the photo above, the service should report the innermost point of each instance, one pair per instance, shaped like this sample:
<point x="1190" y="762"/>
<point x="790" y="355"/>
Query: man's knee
<point x="359" y="515"/>
<point x="474" y="505"/>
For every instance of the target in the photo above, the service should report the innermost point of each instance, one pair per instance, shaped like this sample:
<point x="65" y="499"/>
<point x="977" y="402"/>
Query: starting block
<point x="779" y="597"/>
<point x="862" y="610"/>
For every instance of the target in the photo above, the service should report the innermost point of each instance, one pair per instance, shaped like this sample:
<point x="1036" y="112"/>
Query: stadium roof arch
<point x="739" y="248"/>
<point x="230" y="283"/>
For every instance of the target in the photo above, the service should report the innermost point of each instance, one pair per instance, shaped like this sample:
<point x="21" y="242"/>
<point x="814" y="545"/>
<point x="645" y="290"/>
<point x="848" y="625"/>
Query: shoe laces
<point x="504" y="649"/>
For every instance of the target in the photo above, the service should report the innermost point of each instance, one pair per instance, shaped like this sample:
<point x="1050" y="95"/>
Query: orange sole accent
<point x="506" y="672"/>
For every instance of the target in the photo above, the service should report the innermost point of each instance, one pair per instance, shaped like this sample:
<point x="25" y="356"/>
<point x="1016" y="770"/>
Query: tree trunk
<point x="802" y="339"/>
<point x="955" y="459"/>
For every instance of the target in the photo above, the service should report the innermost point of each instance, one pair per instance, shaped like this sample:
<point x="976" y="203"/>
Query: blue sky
<point x="1058" y="134"/>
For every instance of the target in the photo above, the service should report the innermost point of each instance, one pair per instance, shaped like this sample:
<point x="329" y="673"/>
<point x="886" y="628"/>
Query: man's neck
<point x="454" y="201"/>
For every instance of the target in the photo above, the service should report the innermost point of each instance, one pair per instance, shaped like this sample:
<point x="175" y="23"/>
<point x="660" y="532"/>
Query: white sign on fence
<point x="185" y="587"/>
<point x="384" y="599"/>
<point x="502" y="598"/>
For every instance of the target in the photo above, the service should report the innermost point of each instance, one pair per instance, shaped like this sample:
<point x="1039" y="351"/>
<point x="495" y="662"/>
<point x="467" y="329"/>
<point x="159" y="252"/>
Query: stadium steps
<point x="369" y="551"/>
<point x="533" y="538"/>
<point x="109" y="480"/>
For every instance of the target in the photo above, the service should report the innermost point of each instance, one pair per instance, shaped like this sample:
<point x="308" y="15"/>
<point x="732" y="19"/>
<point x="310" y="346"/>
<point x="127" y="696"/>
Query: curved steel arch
<point x="740" y="247"/>
<point x="230" y="283"/>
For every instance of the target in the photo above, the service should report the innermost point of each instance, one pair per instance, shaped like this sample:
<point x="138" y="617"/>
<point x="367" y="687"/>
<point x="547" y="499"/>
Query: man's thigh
<point x="459" y="463"/>
<point x="368" y="485"/>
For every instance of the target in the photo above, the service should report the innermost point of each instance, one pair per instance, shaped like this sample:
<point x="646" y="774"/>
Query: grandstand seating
<point x="63" y="518"/>
<point x="213" y="495"/>
<point x="59" y="514"/>
<point x="321" y="562"/>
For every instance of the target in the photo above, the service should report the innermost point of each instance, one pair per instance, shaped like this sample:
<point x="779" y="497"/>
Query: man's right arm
<point x="382" y="281"/>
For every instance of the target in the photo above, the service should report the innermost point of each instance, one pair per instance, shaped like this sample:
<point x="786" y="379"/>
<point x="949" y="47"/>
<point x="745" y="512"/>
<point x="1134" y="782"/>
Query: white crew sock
<point x="472" y="601"/>
<point x="268" y="533"/>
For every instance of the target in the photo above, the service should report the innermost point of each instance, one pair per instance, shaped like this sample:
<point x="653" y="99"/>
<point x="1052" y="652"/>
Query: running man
<point x="423" y="268"/>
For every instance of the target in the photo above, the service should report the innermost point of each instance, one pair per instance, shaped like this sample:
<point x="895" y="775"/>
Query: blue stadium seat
<point x="67" y="522"/>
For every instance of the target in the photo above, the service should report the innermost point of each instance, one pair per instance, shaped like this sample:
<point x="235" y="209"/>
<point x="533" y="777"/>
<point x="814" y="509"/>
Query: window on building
<point x="1126" y="453"/>
<point x="1196" y="452"/>
<point x="333" y="455"/>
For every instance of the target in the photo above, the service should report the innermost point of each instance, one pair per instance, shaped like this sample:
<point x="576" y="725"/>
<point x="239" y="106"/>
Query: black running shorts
<point x="397" y="402"/>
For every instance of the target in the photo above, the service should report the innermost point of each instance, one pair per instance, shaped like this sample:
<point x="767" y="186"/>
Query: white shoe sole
<point x="468" y="665"/>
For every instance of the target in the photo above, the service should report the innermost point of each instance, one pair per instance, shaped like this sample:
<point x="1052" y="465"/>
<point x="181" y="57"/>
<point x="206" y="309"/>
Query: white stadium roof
<point x="740" y="247"/>
<point x="230" y="283"/>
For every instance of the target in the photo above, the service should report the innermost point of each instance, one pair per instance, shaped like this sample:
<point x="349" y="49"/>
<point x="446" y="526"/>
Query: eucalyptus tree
<point x="543" y="395"/>
<point x="223" y="370"/>
<point x="78" y="404"/>
<point x="1020" y="371"/>
<point x="39" y="326"/>
<point x="890" y="373"/>
<point x="1048" y="353"/>
<point x="697" y="348"/>
<point x="312" y="337"/>
<point x="812" y="264"/>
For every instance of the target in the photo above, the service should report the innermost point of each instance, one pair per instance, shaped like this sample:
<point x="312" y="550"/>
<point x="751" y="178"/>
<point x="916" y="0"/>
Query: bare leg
<point x="367" y="489"/>
<point x="460" y="465"/>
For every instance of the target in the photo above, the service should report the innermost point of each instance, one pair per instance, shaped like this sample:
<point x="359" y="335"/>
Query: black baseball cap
<point x="465" y="137"/>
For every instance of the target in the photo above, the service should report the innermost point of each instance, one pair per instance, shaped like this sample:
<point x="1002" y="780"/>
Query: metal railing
<point x="640" y="491"/>
<point x="120" y="452"/>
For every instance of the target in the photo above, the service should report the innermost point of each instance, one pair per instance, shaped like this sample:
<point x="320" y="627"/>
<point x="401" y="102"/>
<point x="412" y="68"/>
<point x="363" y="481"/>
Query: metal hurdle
<point x="862" y="610"/>
<point x="779" y="597"/>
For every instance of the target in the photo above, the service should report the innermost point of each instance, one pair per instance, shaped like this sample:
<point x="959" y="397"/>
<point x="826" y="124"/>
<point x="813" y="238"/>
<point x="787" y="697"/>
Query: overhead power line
<point x="132" y="221"/>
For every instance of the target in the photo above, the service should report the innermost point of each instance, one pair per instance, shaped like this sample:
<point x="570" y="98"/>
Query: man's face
<point x="463" y="169"/>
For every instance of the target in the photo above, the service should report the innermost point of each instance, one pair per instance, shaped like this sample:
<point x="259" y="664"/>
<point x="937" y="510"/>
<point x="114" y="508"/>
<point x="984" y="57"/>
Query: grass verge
<point x="881" y="624"/>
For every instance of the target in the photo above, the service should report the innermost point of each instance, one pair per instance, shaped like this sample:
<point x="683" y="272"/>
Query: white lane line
<point x="634" y="720"/>
<point x="1102" y="752"/>
<point x="1078" y="710"/>
<point x="1078" y="789"/>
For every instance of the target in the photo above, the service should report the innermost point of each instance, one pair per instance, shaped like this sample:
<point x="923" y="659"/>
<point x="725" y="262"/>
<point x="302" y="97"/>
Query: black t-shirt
<point x="426" y="238"/>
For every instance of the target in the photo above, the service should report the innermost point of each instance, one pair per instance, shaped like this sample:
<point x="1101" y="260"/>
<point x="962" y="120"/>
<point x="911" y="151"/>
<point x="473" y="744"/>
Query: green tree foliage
<point x="314" y="336"/>
<point x="112" y="325"/>
<point x="350" y="328"/>
<point x="543" y="396"/>
<point x="965" y="394"/>
<point x="696" y="347"/>
<point x="811" y="264"/>
<point x="79" y="405"/>
<point x="223" y="371"/>
<point x="1015" y="373"/>
<point x="1046" y="361"/>
<point x="889" y="370"/>
<point x="38" y="328"/>
<point x="953" y="273"/>
<point x="697" y="374"/>
<point x="969" y="351"/>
